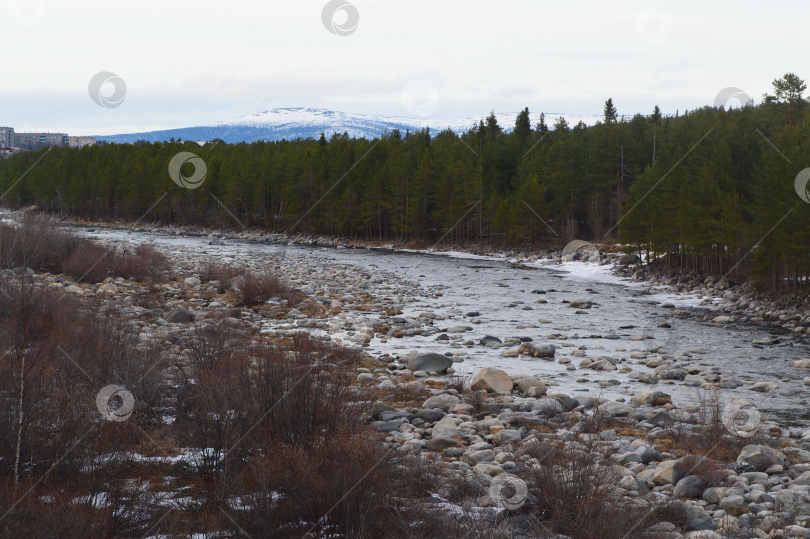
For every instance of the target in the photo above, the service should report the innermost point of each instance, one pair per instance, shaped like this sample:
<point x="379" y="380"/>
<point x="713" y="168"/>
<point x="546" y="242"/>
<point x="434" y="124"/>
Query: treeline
<point x="703" y="187"/>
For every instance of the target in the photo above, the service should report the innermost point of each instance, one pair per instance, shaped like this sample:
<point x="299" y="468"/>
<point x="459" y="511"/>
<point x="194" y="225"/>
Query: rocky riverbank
<point x="484" y="429"/>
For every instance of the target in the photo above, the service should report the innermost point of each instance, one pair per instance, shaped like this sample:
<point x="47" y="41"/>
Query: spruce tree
<point x="611" y="114"/>
<point x="522" y="125"/>
<point x="541" y="126"/>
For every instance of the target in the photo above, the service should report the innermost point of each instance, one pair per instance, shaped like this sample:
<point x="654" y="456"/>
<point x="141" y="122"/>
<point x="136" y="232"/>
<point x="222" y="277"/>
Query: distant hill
<point x="293" y="123"/>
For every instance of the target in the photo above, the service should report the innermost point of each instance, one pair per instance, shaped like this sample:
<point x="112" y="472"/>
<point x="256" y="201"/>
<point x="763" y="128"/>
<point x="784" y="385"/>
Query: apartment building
<point x="36" y="141"/>
<point x="80" y="142"/>
<point x="6" y="137"/>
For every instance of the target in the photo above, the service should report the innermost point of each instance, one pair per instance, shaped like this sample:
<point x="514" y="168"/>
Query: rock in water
<point x="429" y="362"/>
<point x="580" y="304"/>
<point x="492" y="380"/>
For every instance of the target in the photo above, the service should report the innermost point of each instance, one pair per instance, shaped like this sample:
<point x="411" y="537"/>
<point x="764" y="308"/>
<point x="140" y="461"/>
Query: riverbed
<point x="515" y="300"/>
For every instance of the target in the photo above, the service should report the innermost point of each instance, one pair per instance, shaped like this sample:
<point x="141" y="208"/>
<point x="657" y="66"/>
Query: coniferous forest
<point x="703" y="189"/>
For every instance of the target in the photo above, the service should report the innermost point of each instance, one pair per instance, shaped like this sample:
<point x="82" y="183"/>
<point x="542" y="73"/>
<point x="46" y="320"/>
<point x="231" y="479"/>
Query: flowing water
<point x="502" y="293"/>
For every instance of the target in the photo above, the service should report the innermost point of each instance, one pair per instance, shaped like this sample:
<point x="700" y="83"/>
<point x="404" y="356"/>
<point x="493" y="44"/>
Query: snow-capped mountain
<point x="293" y="123"/>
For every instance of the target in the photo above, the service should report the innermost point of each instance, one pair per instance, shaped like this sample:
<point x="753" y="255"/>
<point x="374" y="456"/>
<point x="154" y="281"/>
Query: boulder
<point x="474" y="457"/>
<point x="440" y="443"/>
<point x="524" y="384"/>
<point x="763" y="387"/>
<point x="580" y="304"/>
<point x="538" y="350"/>
<point x="802" y="364"/>
<point x="179" y="315"/>
<point x="668" y="472"/>
<point x="445" y="427"/>
<point x="429" y="362"/>
<point x="492" y="380"/>
<point x="192" y="281"/>
<point x="430" y="415"/>
<point x="795" y="501"/>
<point x="109" y="288"/>
<point x="713" y="495"/>
<point x="690" y="486"/>
<point x="652" y="398"/>
<point x="489" y="339"/>
<point x="762" y="457"/>
<point x="547" y="406"/>
<point x="443" y="402"/>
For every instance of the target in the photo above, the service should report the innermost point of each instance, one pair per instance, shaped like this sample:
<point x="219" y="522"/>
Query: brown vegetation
<point x="37" y="243"/>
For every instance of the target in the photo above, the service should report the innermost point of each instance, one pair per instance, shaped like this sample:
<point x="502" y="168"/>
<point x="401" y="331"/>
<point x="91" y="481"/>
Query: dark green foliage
<point x="611" y="114"/>
<point x="701" y="203"/>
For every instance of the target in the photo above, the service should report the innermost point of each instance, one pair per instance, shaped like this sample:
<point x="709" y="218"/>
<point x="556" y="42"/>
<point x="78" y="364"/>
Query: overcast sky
<point x="189" y="63"/>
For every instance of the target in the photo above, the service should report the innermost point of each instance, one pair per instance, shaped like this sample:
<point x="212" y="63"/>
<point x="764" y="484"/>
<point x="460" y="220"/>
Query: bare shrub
<point x="88" y="261"/>
<point x="224" y="276"/>
<point x="330" y="486"/>
<point x="460" y="382"/>
<point x="255" y="289"/>
<point x="711" y="472"/>
<point x="710" y="436"/>
<point x="596" y="421"/>
<point x="571" y="493"/>
<point x="58" y="355"/>
<point x="144" y="263"/>
<point x="38" y="243"/>
<point x="477" y="399"/>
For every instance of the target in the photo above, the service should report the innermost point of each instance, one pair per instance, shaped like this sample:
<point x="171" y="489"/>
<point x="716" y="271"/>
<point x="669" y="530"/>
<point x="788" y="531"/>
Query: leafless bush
<point x="710" y="435"/>
<point x="58" y="356"/>
<point x="145" y="263"/>
<point x="596" y="421"/>
<point x="711" y="472"/>
<point x="331" y="486"/>
<point x="255" y="289"/>
<point x="460" y="382"/>
<point x="571" y="493"/>
<point x="477" y="399"/>
<point x="37" y="243"/>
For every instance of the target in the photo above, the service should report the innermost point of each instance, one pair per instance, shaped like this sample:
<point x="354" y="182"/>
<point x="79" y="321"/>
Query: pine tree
<point x="522" y="125"/>
<point x="492" y="127"/>
<point x="611" y="114"/>
<point x="656" y="115"/>
<point x="541" y="126"/>
<point x="788" y="89"/>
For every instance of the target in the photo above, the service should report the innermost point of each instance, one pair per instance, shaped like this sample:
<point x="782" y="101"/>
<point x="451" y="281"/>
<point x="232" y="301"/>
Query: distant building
<point x="8" y="151"/>
<point x="80" y="142"/>
<point x="35" y="141"/>
<point x="6" y="137"/>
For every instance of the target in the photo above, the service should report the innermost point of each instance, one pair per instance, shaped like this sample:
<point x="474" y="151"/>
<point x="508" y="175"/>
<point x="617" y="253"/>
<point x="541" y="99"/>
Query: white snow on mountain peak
<point x="295" y="123"/>
<point x="358" y="125"/>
